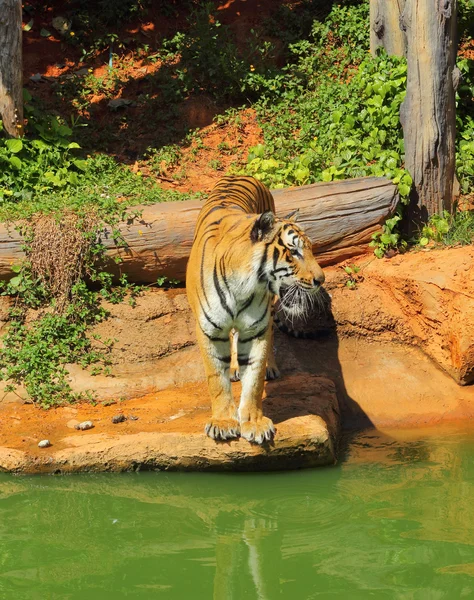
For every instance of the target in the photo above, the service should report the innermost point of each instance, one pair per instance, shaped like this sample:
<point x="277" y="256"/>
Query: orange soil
<point x="23" y="426"/>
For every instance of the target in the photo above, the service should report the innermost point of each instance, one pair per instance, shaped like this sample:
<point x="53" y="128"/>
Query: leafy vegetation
<point x="448" y="229"/>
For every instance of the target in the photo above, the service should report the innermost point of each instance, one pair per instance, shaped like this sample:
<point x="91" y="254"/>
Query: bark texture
<point x="385" y="27"/>
<point x="340" y="217"/>
<point x="428" y="111"/>
<point x="11" y="78"/>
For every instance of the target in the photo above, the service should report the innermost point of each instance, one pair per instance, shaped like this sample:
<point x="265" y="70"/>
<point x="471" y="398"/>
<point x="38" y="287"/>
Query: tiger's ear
<point x="292" y="216"/>
<point x="263" y="225"/>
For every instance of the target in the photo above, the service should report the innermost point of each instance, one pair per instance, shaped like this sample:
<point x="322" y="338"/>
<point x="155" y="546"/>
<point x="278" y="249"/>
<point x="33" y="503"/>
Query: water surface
<point x="393" y="520"/>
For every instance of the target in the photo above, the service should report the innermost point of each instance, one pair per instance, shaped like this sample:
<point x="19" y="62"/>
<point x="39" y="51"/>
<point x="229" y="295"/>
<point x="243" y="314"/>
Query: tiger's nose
<point x="318" y="281"/>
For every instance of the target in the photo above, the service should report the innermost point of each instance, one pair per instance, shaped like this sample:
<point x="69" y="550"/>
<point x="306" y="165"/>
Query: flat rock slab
<point x="168" y="433"/>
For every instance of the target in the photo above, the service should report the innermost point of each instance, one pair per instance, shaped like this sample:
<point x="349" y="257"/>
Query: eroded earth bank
<point x="395" y="349"/>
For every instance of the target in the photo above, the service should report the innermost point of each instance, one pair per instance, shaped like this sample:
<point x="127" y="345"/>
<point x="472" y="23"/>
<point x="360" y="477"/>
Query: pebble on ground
<point x="85" y="425"/>
<point x="119" y="418"/>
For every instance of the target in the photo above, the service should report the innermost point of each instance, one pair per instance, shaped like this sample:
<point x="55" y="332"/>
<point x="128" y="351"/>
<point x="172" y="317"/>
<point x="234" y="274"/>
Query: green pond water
<point x="392" y="520"/>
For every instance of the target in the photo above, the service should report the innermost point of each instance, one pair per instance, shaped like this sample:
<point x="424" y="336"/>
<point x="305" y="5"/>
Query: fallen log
<point x="340" y="217"/>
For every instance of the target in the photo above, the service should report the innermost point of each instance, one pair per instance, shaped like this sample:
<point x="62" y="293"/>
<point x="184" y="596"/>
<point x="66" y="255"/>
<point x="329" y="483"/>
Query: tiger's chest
<point x="235" y="305"/>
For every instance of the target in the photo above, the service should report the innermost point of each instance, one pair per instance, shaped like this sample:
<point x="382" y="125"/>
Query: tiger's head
<point x="287" y="263"/>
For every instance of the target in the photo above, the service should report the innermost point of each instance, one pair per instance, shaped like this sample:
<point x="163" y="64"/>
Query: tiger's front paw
<point x="258" y="431"/>
<point x="223" y="429"/>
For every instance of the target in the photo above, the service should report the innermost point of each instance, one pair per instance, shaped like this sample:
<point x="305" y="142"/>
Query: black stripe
<point x="264" y="297"/>
<point x="244" y="361"/>
<point x="246" y="305"/>
<point x="253" y="337"/>
<point x="224" y="274"/>
<point x="261" y="318"/>
<point x="208" y="318"/>
<point x="260" y="272"/>
<point x="216" y="338"/>
<point x="224" y="359"/>
<point x="276" y="256"/>
<point x="220" y="292"/>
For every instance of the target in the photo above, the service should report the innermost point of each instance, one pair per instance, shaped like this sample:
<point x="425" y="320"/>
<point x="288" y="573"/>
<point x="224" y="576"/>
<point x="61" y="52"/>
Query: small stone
<point x="120" y="103"/>
<point x="44" y="444"/>
<point x="36" y="78"/>
<point x="119" y="418"/>
<point x="133" y="418"/>
<point x="84" y="425"/>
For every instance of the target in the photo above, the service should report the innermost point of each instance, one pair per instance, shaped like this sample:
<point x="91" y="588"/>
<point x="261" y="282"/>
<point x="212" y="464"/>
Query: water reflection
<point x="395" y="520"/>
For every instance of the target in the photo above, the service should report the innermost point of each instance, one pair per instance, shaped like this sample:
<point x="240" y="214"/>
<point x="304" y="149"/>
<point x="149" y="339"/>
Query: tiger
<point x="242" y="258"/>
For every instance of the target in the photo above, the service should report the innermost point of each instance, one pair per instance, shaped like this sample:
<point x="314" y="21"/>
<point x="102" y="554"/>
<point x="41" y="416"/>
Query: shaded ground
<point x="80" y="87"/>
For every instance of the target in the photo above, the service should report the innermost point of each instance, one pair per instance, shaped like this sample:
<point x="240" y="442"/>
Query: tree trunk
<point x="340" y="217"/>
<point x="385" y="30"/>
<point x="11" y="78"/>
<point x="428" y="111"/>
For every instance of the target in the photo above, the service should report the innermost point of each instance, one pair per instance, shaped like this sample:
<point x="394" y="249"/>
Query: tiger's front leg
<point x="252" y="356"/>
<point x="224" y="422"/>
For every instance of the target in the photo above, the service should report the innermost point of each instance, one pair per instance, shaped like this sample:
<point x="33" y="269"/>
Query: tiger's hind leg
<point x="271" y="372"/>
<point x="224" y="423"/>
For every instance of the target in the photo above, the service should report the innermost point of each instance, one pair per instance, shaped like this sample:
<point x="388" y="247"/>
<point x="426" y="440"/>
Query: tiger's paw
<point x="223" y="429"/>
<point x="272" y="373"/>
<point x="258" y="431"/>
<point x="234" y="374"/>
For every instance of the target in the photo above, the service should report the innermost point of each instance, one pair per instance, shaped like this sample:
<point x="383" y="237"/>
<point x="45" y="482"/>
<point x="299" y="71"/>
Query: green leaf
<point x="80" y="164"/>
<point x="16" y="268"/>
<point x="44" y="32"/>
<point x="14" y="145"/>
<point x="349" y="122"/>
<point x="346" y="155"/>
<point x="301" y="175"/>
<point x="40" y="144"/>
<point x="424" y="241"/>
<point x="73" y="178"/>
<point x="442" y="226"/>
<point x="64" y="130"/>
<point x="73" y="145"/>
<point x="16" y="281"/>
<point x="403" y="189"/>
<point x="28" y="25"/>
<point x="15" y="162"/>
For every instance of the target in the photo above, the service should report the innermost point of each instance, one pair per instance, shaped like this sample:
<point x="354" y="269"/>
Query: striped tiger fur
<point x="241" y="259"/>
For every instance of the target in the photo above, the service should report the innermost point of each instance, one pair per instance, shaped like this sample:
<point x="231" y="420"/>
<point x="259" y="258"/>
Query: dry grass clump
<point x="59" y="252"/>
